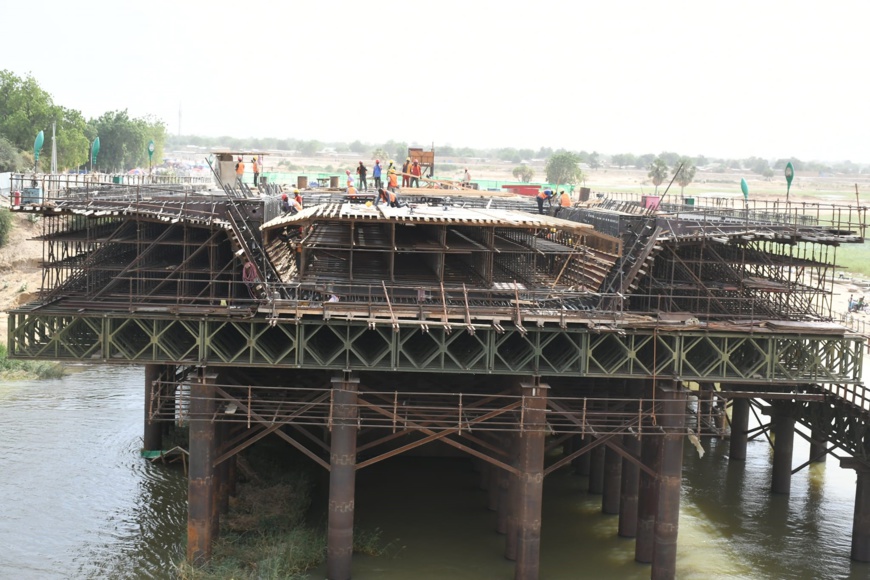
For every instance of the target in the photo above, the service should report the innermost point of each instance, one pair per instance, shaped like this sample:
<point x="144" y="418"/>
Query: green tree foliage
<point x="25" y="109"/>
<point x="124" y="141"/>
<point x="657" y="171"/>
<point x="524" y="173"/>
<point x="796" y="163"/>
<point x="669" y="157"/>
<point x="684" y="171"/>
<point x="5" y="226"/>
<point x="644" y="160"/>
<point x="309" y="148"/>
<point x="594" y="160"/>
<point x="10" y="159"/>
<point x="564" y="167"/>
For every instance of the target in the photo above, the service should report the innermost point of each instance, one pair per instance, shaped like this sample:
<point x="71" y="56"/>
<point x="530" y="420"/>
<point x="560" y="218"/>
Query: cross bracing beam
<point x="575" y="351"/>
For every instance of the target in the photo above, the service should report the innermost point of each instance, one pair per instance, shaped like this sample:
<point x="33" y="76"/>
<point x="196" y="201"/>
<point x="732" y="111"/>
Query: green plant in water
<point x="23" y="369"/>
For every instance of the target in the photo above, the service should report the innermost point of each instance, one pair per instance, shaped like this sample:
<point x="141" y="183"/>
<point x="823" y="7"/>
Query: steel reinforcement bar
<point x="690" y="355"/>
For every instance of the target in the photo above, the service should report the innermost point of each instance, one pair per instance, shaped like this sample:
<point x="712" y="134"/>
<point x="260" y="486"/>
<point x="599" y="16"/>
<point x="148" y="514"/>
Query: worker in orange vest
<point x="547" y="194"/>
<point x="388" y="197"/>
<point x="416" y="171"/>
<point x="256" y="171"/>
<point x="240" y="170"/>
<point x="393" y="181"/>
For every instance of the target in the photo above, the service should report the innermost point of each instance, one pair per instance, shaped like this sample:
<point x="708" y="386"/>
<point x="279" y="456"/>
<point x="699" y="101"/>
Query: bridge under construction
<point x="357" y="332"/>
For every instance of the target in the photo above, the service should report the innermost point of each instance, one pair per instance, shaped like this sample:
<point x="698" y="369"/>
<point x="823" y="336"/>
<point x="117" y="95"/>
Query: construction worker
<point x="351" y="191"/>
<point x="415" y="174"/>
<point x="388" y="197"/>
<point x="285" y="203"/>
<point x="406" y="177"/>
<point x="361" y="171"/>
<point x="297" y="196"/>
<point x="564" y="201"/>
<point x="466" y="179"/>
<point x="393" y="180"/>
<point x="240" y="170"/>
<point x="542" y="195"/>
<point x="256" y="167"/>
<point x="376" y="173"/>
<point x="349" y="177"/>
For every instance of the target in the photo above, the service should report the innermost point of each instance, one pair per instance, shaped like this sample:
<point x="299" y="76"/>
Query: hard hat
<point x="284" y="196"/>
<point x="295" y="191"/>
<point x="377" y="160"/>
<point x="368" y="204"/>
<point x="407" y="159"/>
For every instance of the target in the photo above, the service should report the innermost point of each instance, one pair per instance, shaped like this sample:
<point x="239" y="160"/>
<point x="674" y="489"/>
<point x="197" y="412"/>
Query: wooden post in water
<point x="818" y="447"/>
<point x="531" y="460"/>
<point x="861" y="519"/>
<point x="342" y="478"/>
<point x="200" y="485"/>
<point x="670" y="471"/>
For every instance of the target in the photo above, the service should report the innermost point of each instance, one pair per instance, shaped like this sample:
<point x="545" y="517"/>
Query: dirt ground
<point x="20" y="274"/>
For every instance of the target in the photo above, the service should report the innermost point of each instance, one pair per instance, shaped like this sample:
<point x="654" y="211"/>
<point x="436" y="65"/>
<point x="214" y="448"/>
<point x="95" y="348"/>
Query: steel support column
<point x="861" y="519"/>
<point x="531" y="460"/>
<point x="647" y="494"/>
<point x="818" y="451"/>
<point x="783" y="446"/>
<point x="581" y="462"/>
<point x="596" y="470"/>
<point x="672" y="418"/>
<point x="342" y="478"/>
<point x="152" y="439"/>
<point x="739" y="428"/>
<point x="612" y="476"/>
<point x="200" y="483"/>
<point x="629" y="489"/>
<point x="512" y="513"/>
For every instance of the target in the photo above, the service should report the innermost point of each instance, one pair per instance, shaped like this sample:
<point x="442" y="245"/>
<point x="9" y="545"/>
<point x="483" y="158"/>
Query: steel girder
<point x="354" y="345"/>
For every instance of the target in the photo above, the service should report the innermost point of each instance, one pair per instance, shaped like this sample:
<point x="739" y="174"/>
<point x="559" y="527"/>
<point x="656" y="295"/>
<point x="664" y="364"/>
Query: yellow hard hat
<point x="368" y="204"/>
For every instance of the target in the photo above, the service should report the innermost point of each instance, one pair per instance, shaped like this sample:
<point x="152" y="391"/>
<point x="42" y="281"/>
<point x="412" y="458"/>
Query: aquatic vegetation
<point x="27" y="369"/>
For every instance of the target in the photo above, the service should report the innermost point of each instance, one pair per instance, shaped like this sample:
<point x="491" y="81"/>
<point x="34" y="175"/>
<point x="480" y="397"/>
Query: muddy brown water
<point x="77" y="501"/>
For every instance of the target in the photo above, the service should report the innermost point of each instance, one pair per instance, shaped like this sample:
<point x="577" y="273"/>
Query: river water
<point x="76" y="501"/>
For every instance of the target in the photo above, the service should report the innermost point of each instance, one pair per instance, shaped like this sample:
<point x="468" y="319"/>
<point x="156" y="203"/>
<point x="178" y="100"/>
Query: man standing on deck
<point x="394" y="181"/>
<point x="415" y="174"/>
<point x="240" y="171"/>
<point x="361" y="171"/>
<point x="376" y="173"/>
<point x="466" y="179"/>
<point x="406" y="167"/>
<point x="564" y="201"/>
<point x="256" y="167"/>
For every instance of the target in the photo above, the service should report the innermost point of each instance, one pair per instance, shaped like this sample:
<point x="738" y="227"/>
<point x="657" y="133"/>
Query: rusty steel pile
<point x="356" y="332"/>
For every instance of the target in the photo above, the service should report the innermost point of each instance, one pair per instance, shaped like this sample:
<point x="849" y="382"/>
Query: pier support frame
<point x="512" y="513"/>
<point x="152" y="439"/>
<point x="818" y="447"/>
<point x="342" y="478"/>
<point x="861" y="519"/>
<point x="783" y="447"/>
<point x="646" y="496"/>
<point x="739" y="428"/>
<point x="629" y="489"/>
<point x="201" y="513"/>
<point x="581" y="463"/>
<point x="596" y="470"/>
<point x="531" y="462"/>
<point x="672" y="418"/>
<point x="612" y="482"/>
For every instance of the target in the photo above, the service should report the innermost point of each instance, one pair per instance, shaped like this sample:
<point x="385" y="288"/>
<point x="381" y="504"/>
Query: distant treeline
<point x="399" y="149"/>
<point x="26" y="109"/>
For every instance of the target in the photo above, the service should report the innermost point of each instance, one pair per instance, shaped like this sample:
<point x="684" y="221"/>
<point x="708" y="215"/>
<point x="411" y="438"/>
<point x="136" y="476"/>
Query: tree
<point x="10" y="159"/>
<point x="593" y="160"/>
<point x="644" y="160"/>
<point x="25" y="109"/>
<point x="658" y="170"/>
<point x="309" y="148"/>
<point x="684" y="172"/>
<point x="564" y="167"/>
<point x="380" y="154"/>
<point x="524" y="173"/>
<point x="124" y="141"/>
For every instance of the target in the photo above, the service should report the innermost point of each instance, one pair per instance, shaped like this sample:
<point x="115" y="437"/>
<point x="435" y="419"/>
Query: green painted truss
<point x="689" y="355"/>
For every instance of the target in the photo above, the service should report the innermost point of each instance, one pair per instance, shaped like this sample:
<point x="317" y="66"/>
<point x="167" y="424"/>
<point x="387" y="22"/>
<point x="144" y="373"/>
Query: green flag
<point x="745" y="189"/>
<point x="95" y="149"/>
<point x="789" y="175"/>
<point x="37" y="145"/>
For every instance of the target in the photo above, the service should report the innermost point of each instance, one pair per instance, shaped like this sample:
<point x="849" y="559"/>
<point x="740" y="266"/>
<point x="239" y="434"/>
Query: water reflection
<point x="78" y="501"/>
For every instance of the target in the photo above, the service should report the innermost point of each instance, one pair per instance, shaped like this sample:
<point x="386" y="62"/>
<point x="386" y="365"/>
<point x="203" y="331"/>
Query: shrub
<point x="5" y="226"/>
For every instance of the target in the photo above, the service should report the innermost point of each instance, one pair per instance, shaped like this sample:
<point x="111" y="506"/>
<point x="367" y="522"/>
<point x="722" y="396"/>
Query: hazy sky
<point x="720" y="78"/>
